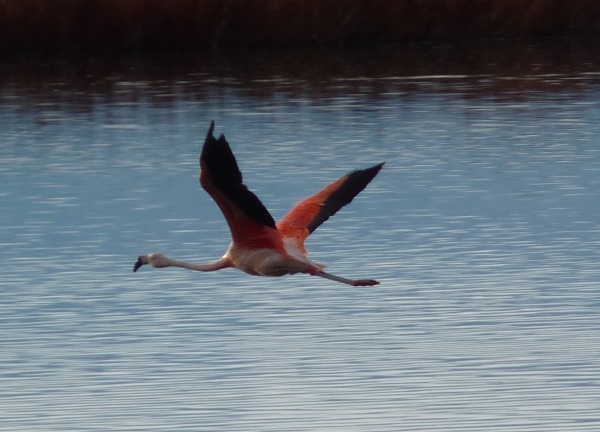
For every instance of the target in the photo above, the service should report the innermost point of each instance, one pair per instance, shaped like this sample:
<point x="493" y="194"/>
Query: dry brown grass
<point x="86" y="24"/>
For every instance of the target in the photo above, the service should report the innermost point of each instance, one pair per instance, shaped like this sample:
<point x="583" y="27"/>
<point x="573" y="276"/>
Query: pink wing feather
<point x="311" y="212"/>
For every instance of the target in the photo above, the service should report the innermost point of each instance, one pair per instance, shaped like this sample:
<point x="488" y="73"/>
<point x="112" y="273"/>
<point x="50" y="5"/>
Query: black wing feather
<point x="226" y="176"/>
<point x="355" y="182"/>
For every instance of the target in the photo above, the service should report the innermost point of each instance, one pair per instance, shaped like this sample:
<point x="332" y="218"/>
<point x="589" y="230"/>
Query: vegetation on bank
<point x="156" y="24"/>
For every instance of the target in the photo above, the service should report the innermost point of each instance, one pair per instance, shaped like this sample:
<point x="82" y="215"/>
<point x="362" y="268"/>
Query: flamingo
<point x="259" y="246"/>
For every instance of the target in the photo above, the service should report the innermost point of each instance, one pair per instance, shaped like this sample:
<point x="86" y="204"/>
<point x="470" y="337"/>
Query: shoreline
<point x="271" y="24"/>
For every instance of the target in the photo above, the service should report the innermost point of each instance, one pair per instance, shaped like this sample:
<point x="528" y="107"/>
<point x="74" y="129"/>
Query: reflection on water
<point x="483" y="228"/>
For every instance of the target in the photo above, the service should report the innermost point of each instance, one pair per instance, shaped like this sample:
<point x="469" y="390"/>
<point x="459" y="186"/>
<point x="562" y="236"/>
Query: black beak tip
<point x="137" y="264"/>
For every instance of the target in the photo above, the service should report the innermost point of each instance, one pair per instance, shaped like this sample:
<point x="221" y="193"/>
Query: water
<point x="483" y="228"/>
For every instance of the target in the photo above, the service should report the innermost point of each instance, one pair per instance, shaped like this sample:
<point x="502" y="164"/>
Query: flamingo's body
<point x="259" y="246"/>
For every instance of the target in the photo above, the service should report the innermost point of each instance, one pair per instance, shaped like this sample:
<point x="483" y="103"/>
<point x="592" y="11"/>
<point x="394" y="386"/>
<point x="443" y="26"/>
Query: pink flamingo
<point x="259" y="246"/>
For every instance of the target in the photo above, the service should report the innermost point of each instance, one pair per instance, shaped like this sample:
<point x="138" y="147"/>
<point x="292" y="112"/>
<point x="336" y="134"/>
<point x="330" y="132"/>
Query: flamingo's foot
<point x="364" y="282"/>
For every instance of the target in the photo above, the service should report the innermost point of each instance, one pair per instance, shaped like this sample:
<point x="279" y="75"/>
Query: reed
<point x="156" y="24"/>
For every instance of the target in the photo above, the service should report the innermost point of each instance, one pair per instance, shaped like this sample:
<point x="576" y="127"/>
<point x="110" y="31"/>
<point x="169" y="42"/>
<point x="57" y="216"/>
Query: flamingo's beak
<point x="138" y="264"/>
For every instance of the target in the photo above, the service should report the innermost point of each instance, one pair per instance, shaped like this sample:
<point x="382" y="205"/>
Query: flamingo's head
<point x="154" y="259"/>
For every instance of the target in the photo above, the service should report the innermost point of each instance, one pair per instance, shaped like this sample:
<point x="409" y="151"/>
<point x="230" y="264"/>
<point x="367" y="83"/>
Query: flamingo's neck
<point x="217" y="265"/>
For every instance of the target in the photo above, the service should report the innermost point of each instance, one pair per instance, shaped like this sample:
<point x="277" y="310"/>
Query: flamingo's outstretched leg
<point x="353" y="282"/>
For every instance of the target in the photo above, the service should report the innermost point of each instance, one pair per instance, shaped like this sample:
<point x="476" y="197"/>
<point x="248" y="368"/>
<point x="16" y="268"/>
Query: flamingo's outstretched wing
<point x="308" y="214"/>
<point x="250" y="222"/>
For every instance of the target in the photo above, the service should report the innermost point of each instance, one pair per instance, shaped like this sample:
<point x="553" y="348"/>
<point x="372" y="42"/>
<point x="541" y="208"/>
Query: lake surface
<point x="483" y="228"/>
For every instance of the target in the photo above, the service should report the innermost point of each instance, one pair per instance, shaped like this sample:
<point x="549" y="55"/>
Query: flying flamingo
<point x="259" y="246"/>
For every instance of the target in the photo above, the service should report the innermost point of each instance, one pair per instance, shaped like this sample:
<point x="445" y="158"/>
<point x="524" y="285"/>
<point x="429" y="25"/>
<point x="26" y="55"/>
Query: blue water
<point x="483" y="228"/>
